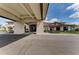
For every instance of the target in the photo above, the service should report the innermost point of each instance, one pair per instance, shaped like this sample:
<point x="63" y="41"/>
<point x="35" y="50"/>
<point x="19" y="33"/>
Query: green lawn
<point x="67" y="32"/>
<point x="76" y="32"/>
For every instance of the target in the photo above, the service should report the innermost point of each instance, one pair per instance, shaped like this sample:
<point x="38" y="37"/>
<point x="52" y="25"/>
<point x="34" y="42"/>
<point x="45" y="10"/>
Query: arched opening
<point x="33" y="28"/>
<point x="7" y="34"/>
<point x="6" y="25"/>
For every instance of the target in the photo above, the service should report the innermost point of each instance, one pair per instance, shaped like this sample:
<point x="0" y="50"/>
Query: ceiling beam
<point x="9" y="10"/>
<point x="41" y="9"/>
<point x="26" y="10"/>
<point x="32" y="21"/>
<point x="8" y="15"/>
<point x="36" y="9"/>
<point x="45" y="10"/>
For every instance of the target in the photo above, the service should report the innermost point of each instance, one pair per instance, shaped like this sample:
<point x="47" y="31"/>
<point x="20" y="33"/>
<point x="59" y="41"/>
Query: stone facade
<point x="59" y="26"/>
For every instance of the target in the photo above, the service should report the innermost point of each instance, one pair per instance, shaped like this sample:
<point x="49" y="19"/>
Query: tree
<point x="0" y="26"/>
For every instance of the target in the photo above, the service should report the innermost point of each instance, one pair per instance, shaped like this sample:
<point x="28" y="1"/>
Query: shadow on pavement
<point x="6" y="39"/>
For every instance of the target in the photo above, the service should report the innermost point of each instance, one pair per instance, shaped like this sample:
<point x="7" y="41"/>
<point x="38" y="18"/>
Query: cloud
<point x="75" y="15"/>
<point x="53" y="20"/>
<point x="76" y="23"/>
<point x="75" y="7"/>
<point x="59" y="20"/>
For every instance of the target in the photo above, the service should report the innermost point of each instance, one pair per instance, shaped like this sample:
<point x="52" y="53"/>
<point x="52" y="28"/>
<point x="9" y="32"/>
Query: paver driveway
<point x="44" y="45"/>
<point x="6" y="39"/>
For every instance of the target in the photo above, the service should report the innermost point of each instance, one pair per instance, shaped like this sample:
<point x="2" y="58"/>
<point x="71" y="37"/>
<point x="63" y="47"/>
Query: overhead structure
<point x="24" y="12"/>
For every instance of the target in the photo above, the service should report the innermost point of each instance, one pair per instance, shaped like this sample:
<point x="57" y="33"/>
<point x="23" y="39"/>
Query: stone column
<point x="19" y="28"/>
<point x="61" y="28"/>
<point x="27" y="27"/>
<point x="48" y="28"/>
<point x="54" y="28"/>
<point x="69" y="28"/>
<point x="40" y="28"/>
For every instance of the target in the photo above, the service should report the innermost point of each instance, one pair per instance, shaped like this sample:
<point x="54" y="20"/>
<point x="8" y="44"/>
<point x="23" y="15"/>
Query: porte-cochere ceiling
<point x="24" y="12"/>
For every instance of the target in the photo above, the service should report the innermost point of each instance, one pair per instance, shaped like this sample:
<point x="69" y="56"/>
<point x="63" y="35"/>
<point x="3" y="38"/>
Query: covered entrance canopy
<point x="24" y="13"/>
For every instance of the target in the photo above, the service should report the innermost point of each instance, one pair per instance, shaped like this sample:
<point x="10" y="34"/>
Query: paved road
<point x="6" y="39"/>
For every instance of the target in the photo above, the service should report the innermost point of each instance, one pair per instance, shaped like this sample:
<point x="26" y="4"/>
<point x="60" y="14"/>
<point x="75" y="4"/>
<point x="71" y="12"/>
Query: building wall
<point x="58" y="27"/>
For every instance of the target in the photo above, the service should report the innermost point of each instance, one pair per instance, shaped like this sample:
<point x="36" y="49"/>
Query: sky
<point x="3" y="21"/>
<point x="67" y="12"/>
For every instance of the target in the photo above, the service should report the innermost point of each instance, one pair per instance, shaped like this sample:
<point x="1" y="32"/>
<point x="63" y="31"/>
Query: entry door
<point x="65" y="28"/>
<point x="58" y="28"/>
<point x="33" y="28"/>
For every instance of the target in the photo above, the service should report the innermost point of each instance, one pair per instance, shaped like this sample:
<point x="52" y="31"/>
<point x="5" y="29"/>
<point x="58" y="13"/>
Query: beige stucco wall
<point x="19" y="28"/>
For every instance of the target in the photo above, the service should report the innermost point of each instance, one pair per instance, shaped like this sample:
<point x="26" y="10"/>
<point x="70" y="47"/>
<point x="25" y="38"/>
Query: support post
<point x="54" y="28"/>
<point x="40" y="28"/>
<point x="69" y="28"/>
<point x="19" y="28"/>
<point x="61" y="28"/>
